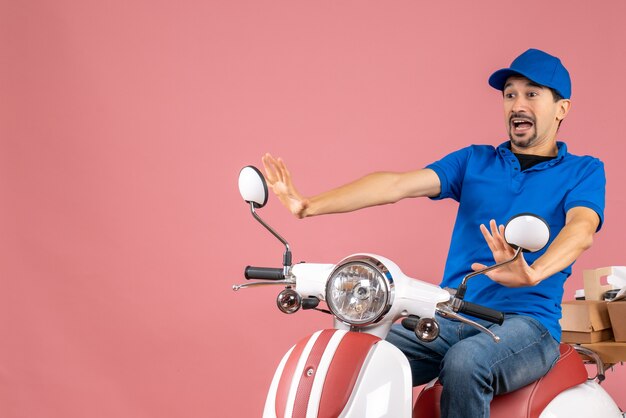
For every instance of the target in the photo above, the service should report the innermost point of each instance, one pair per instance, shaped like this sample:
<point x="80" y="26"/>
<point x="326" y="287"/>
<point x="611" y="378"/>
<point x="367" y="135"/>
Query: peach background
<point x="123" y="125"/>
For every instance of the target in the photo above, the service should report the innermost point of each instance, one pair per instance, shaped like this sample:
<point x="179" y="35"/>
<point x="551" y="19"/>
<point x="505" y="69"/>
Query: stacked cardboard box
<point x="617" y="313"/>
<point x="585" y="321"/>
<point x="593" y="319"/>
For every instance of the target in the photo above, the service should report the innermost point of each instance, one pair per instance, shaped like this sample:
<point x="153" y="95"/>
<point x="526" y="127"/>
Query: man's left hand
<point x="515" y="274"/>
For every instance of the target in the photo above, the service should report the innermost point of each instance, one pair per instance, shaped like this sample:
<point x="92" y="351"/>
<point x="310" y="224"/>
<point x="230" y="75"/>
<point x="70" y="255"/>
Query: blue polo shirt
<point x="489" y="184"/>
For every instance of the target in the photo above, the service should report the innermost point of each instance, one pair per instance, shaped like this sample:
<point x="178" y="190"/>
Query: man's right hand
<point x="279" y="180"/>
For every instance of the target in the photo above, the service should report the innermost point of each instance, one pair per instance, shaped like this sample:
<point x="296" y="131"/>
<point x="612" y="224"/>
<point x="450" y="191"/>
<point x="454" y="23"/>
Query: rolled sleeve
<point x="451" y="172"/>
<point x="590" y="191"/>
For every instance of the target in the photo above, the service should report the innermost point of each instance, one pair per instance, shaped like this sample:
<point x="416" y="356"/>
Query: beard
<point x="523" y="142"/>
<point x="528" y="138"/>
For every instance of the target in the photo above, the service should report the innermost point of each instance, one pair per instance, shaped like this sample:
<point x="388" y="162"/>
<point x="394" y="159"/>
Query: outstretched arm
<point x="575" y="237"/>
<point x="374" y="189"/>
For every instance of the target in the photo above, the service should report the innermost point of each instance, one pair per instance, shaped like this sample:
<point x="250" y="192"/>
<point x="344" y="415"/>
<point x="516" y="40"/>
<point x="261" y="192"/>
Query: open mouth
<point x="521" y="125"/>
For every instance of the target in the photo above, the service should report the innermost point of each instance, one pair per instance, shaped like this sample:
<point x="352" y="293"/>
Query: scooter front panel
<point x="318" y="375"/>
<point x="347" y="364"/>
<point x="312" y="371"/>
<point x="384" y="386"/>
<point x="293" y="371"/>
<point x="269" y="410"/>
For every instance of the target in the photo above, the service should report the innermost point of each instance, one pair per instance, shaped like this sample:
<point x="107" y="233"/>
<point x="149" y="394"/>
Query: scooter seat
<point x="526" y="402"/>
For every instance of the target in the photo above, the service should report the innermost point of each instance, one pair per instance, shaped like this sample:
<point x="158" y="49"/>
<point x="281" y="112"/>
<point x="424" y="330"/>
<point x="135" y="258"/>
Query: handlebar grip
<point x="410" y="322"/>
<point x="482" y="312"/>
<point x="265" y="273"/>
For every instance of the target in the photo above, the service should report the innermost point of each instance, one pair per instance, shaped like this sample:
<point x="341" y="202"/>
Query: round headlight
<point x="359" y="291"/>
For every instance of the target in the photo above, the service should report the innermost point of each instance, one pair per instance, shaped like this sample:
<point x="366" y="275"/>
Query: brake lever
<point x="446" y="311"/>
<point x="290" y="282"/>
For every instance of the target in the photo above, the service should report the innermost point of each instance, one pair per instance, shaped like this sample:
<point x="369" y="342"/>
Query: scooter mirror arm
<point x="287" y="255"/>
<point x="270" y="283"/>
<point x="446" y="311"/>
<point x="460" y="293"/>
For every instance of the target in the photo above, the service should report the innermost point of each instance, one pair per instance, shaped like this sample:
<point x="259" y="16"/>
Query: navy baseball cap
<point x="539" y="67"/>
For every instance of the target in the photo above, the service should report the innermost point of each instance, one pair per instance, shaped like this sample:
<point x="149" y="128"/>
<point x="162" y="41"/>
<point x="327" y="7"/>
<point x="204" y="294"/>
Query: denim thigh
<point x="526" y="352"/>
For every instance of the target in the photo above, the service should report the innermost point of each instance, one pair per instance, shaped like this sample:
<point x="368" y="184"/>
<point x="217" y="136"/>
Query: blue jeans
<point x="472" y="367"/>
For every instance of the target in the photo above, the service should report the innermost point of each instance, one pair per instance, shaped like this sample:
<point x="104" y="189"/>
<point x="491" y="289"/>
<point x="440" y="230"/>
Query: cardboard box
<point x="592" y="281"/>
<point x="573" y="337"/>
<point x="585" y="321"/>
<point x="617" y="313"/>
<point x="585" y="316"/>
<point x="610" y="352"/>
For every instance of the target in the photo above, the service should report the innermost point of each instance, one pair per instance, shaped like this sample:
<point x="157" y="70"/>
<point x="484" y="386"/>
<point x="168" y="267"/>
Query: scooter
<point x="351" y="371"/>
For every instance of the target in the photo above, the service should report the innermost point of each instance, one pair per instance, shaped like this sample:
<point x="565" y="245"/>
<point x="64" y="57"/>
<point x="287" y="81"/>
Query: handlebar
<point x="264" y="273"/>
<point x="410" y="322"/>
<point x="481" y="312"/>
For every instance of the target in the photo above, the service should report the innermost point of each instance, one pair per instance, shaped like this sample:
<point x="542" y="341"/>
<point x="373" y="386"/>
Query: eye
<point x="533" y="94"/>
<point x="509" y="95"/>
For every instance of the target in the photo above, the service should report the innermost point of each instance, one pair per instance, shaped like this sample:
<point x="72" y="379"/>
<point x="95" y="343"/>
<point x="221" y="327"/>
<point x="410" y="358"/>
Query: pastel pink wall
<point x="123" y="125"/>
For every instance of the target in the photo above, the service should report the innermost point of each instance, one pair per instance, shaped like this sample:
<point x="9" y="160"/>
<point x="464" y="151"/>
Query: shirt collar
<point x="505" y="149"/>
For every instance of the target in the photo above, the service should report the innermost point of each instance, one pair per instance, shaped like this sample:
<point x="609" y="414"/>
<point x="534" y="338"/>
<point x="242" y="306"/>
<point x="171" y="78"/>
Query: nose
<point x="519" y="104"/>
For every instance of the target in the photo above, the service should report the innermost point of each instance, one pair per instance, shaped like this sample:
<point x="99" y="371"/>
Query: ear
<point x="564" y="106"/>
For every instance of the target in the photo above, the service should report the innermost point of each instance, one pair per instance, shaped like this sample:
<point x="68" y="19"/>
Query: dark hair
<point x="555" y="94"/>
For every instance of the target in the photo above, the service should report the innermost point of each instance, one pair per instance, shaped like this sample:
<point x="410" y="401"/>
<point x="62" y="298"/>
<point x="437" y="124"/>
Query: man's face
<point x="531" y="114"/>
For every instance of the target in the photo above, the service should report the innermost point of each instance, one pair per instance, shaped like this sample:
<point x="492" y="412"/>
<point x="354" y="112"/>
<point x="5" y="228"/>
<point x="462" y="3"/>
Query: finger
<point x="497" y="237"/>
<point x="505" y="244"/>
<point x="478" y="266"/>
<point x="280" y="168"/>
<point x="488" y="237"/>
<point x="286" y="174"/>
<point x="275" y="165"/>
<point x="494" y="228"/>
<point x="268" y="162"/>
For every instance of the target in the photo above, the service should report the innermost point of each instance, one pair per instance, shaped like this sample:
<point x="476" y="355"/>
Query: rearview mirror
<point x="252" y="186"/>
<point x="524" y="232"/>
<point x="527" y="231"/>
<point x="253" y="189"/>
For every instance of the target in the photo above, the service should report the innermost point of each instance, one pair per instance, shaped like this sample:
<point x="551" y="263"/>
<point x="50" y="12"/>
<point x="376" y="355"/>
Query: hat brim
<point x="498" y="79"/>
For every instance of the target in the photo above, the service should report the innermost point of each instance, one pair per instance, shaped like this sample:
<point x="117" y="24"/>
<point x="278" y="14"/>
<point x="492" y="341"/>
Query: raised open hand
<point x="279" y="180"/>
<point x="515" y="274"/>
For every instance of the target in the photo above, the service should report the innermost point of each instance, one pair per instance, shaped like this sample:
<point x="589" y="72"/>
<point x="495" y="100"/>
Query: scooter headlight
<point x="359" y="291"/>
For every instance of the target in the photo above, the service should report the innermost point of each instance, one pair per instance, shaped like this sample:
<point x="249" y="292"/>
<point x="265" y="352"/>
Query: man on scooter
<point x="532" y="172"/>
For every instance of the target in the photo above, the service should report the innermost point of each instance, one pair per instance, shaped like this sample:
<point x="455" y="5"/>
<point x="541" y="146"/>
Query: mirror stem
<point x="460" y="293"/>
<point x="287" y="255"/>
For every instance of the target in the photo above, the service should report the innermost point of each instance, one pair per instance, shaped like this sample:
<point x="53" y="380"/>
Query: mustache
<point x="521" y="116"/>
